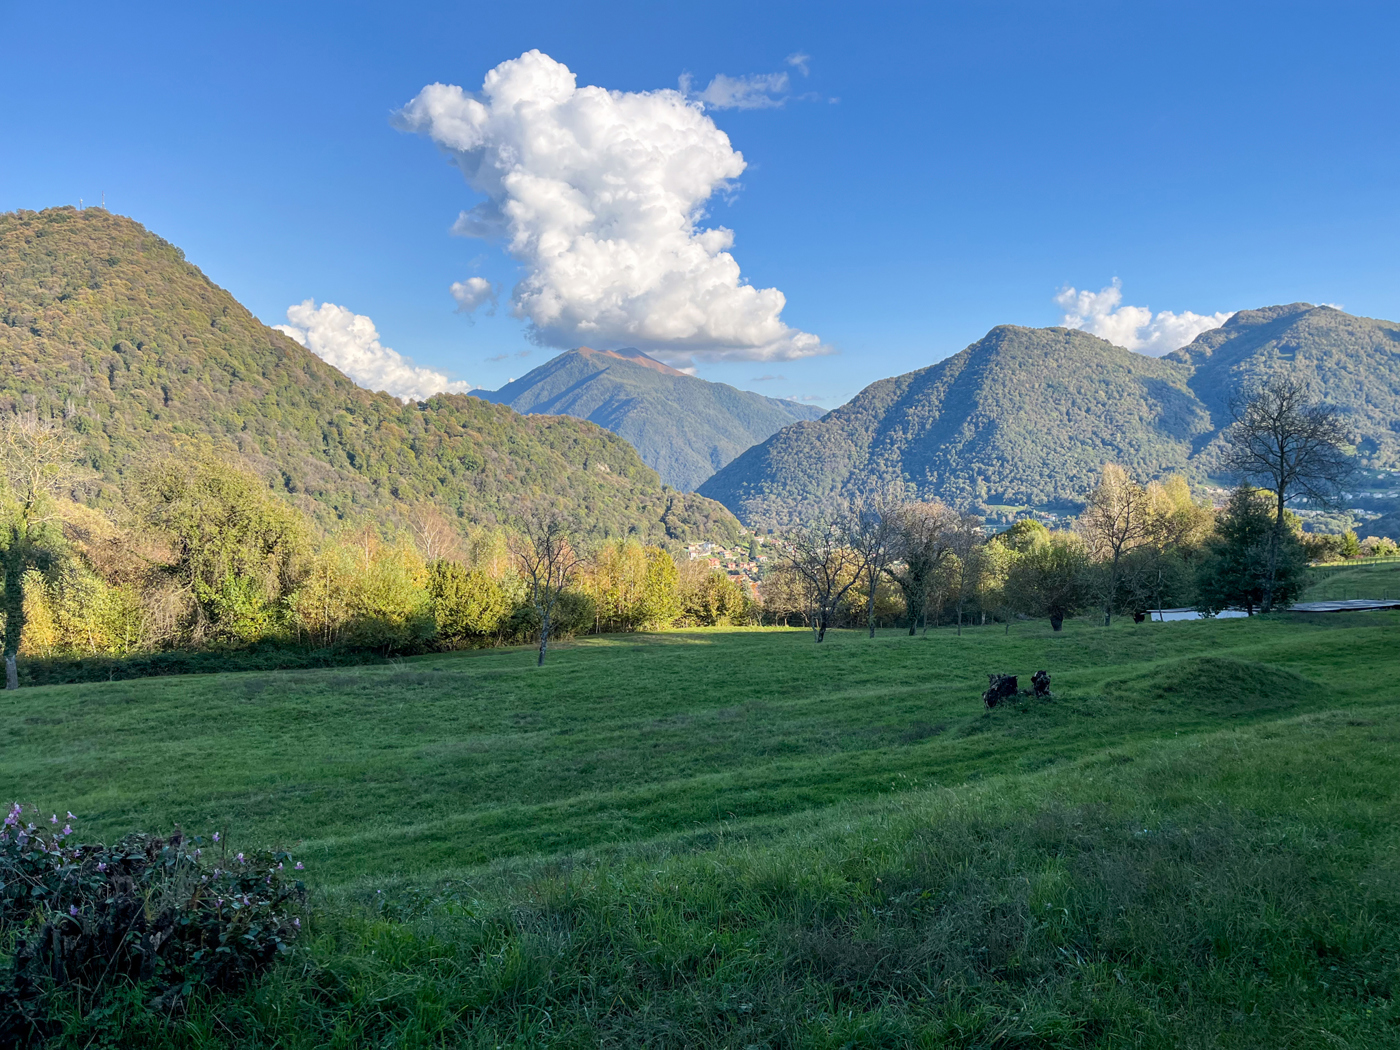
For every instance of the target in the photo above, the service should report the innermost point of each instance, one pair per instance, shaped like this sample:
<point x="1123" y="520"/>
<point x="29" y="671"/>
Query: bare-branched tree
<point x="875" y="534"/>
<point x="827" y="558"/>
<point x="548" y="562"/>
<point x="922" y="544"/>
<point x="36" y="461"/>
<point x="964" y="540"/>
<point x="1284" y="441"/>
<point x="434" y="533"/>
<point x="1117" y="519"/>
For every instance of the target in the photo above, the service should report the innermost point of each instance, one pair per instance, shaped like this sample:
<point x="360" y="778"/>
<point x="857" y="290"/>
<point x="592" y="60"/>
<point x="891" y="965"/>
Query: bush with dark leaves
<point x="170" y="916"/>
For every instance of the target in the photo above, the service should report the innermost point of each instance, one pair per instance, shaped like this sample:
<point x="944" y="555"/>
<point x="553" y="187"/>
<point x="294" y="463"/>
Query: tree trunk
<point x="544" y="639"/>
<point x="1112" y="589"/>
<point x="1267" y="604"/>
<point x="870" y="605"/>
<point x="11" y="672"/>
<point x="821" y="626"/>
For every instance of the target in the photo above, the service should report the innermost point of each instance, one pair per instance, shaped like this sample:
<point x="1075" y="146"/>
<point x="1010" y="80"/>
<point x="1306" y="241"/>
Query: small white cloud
<point x="350" y="342"/>
<point x="799" y="62"/>
<point x="601" y="196"/>
<point x="755" y="91"/>
<point x="473" y="293"/>
<point x="767" y="378"/>
<point x="1136" y="328"/>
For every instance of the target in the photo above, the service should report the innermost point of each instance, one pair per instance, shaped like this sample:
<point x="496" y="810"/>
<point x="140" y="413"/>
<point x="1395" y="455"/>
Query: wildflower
<point x="300" y="866"/>
<point x="239" y="858"/>
<point x="296" y="923"/>
<point x="279" y="865"/>
<point x="101" y="865"/>
<point x="67" y="830"/>
<point x="70" y="815"/>
<point x="216" y="836"/>
<point x="53" y="819"/>
<point x="72" y="909"/>
<point x="197" y="854"/>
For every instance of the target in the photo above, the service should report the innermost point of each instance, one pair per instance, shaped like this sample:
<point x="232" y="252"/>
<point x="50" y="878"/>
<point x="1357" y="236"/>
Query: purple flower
<point x="300" y="866"/>
<point x="53" y="819"/>
<point x="216" y="836"/>
<point x="279" y="865"/>
<point x="70" y="815"/>
<point x="72" y="909"/>
<point x="67" y="830"/>
<point x="239" y="858"/>
<point x="296" y="923"/>
<point x="101" y="865"/>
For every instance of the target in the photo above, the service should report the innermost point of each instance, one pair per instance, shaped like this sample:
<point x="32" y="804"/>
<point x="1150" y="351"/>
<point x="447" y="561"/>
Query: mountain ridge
<point x="107" y="327"/>
<point x="683" y="427"/>
<point x="1028" y="416"/>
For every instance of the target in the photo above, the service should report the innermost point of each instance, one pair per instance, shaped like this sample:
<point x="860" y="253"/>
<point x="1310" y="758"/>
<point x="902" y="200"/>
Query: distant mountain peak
<point x="632" y="354"/>
<point x="684" y="427"/>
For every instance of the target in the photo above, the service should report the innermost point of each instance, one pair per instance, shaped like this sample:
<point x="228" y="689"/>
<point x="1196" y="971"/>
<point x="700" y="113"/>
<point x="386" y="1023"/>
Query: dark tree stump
<point x="1041" y="681"/>
<point x="1057" y="620"/>
<point x="999" y="687"/>
<point x="1139" y="616"/>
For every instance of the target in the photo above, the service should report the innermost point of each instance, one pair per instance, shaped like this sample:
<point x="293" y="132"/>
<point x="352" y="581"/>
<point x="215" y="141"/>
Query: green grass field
<point x="739" y="838"/>
<point x="1367" y="579"/>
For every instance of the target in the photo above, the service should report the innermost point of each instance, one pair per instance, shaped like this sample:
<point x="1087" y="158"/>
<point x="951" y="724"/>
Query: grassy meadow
<point x="740" y="838"/>
<point x="1378" y="578"/>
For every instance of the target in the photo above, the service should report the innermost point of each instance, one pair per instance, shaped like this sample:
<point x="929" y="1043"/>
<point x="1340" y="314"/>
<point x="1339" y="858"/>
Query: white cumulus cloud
<point x="1103" y="314"/>
<point x="601" y="195"/>
<point x="473" y="293"/>
<point x="350" y="342"/>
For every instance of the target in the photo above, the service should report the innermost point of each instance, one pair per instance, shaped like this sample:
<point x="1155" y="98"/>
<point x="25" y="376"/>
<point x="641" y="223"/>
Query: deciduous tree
<point x="1117" y="519"/>
<point x="1288" y="443"/>
<point x="547" y="561"/>
<point x="36" y="457"/>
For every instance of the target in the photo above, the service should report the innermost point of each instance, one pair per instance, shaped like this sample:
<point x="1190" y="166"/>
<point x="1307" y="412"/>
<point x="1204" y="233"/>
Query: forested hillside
<point x="1024" y="415"/>
<point x="106" y="326"/>
<point x="683" y="427"/>
<point x="1354" y="363"/>
<point x="1029" y="416"/>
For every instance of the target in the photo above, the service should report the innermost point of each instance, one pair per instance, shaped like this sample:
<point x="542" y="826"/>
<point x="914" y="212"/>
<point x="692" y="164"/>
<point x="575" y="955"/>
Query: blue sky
<point x="938" y="169"/>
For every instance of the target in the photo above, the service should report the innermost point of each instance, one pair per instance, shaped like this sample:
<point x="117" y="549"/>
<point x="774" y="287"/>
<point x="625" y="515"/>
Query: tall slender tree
<point x="1117" y="519"/>
<point x="36" y="457"/>
<point x="547" y="561"/>
<point x="875" y="534"/>
<point x="1284" y="441"/>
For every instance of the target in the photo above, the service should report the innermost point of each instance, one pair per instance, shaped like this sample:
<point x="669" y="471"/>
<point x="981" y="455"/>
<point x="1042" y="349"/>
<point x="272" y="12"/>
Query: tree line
<point x="206" y="556"/>
<point x="1133" y="548"/>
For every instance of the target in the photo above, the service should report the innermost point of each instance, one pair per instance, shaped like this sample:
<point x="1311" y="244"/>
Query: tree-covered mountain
<point x="106" y="326"/>
<point x="684" y="428"/>
<point x="1029" y="416"/>
<point x="1353" y="362"/>
<point x="1023" y="416"/>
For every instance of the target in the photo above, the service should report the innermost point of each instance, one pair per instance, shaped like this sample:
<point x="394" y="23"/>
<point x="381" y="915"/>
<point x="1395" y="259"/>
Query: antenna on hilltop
<point x="80" y="204"/>
<point x="104" y="200"/>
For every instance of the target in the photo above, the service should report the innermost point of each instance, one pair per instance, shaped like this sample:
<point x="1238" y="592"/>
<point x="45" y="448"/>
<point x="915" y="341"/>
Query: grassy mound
<point x="1219" y="686"/>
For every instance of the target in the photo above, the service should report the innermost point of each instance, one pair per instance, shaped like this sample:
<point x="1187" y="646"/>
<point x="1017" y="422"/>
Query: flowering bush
<point x="171" y="914"/>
